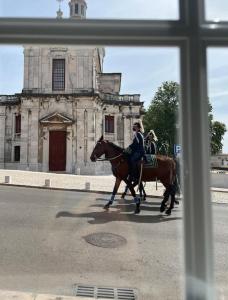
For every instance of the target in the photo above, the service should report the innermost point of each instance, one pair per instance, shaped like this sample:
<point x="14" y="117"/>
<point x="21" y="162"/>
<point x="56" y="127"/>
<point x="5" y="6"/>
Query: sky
<point x="143" y="69"/>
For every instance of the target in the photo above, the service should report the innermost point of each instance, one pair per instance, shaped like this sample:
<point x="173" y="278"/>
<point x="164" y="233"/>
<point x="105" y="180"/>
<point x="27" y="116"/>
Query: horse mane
<point x="116" y="147"/>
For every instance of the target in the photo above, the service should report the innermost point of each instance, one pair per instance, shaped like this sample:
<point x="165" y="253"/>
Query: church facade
<point x="66" y="104"/>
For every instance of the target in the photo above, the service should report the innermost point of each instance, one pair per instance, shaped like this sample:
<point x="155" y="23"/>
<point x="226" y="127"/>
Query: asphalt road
<point x="43" y="247"/>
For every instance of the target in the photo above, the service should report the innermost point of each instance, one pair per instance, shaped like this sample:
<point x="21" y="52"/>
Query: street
<point x="44" y="246"/>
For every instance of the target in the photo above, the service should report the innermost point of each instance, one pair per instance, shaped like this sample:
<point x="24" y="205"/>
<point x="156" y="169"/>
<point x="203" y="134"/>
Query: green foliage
<point x="162" y="117"/>
<point x="217" y="132"/>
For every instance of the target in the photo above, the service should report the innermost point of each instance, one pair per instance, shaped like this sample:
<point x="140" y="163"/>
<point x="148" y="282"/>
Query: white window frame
<point x="192" y="34"/>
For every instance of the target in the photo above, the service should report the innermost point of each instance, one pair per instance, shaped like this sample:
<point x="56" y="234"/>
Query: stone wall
<point x="81" y="66"/>
<point x="86" y="125"/>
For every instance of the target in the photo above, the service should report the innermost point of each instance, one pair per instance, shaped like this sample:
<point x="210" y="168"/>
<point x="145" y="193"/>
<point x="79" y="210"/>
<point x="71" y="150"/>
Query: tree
<point x="217" y="133"/>
<point x="162" y="117"/>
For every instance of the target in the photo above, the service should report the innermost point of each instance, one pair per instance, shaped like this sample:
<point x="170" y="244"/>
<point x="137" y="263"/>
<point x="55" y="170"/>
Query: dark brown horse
<point x="165" y="172"/>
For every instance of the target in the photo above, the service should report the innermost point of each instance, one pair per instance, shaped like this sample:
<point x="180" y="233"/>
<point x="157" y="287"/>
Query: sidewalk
<point x="100" y="184"/>
<point x="10" y="295"/>
<point x="72" y="182"/>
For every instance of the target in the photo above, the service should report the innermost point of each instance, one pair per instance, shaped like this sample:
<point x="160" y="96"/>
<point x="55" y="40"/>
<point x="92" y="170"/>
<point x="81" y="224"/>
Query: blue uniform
<point x="137" y="147"/>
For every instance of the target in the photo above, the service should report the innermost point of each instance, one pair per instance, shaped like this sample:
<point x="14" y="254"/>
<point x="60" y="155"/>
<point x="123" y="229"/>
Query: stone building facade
<point x="66" y="104"/>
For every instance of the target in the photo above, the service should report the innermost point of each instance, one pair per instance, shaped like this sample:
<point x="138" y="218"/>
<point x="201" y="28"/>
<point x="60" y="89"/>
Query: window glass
<point x="18" y="124"/>
<point x="117" y="9"/>
<point x="13" y="55"/>
<point x="17" y="150"/>
<point x="68" y="232"/>
<point x="216" y="10"/>
<point x="217" y="86"/>
<point x="76" y="8"/>
<point x="109" y="124"/>
<point x="58" y="75"/>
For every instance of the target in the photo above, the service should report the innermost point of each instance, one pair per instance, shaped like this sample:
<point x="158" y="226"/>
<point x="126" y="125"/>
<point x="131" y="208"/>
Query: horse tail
<point x="176" y="179"/>
<point x="172" y="173"/>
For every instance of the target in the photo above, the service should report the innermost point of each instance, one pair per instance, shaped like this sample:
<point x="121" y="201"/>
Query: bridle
<point x="107" y="158"/>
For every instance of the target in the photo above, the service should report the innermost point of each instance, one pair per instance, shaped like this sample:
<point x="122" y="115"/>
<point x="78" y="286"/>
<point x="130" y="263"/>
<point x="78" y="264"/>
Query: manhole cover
<point x="105" y="240"/>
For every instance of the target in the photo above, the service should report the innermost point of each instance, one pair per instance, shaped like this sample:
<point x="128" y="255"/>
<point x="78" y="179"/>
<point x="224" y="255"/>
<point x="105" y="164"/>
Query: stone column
<point x="2" y="136"/>
<point x="34" y="139"/>
<point x="24" y="138"/>
<point x="99" y="125"/>
<point x="45" y="162"/>
<point x="127" y="132"/>
<point x="69" y="154"/>
<point x="80" y="139"/>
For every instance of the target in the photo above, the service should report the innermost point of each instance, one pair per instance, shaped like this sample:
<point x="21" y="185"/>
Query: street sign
<point x="177" y="149"/>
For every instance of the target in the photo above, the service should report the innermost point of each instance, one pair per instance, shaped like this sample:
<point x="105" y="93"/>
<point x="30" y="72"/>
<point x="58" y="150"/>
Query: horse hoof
<point x="168" y="212"/>
<point x="122" y="197"/>
<point x="137" y="208"/>
<point x="162" y="208"/>
<point x="177" y="202"/>
<point x="106" y="207"/>
<point x="137" y="211"/>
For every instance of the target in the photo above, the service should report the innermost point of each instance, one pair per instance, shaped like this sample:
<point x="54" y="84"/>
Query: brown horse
<point x="165" y="172"/>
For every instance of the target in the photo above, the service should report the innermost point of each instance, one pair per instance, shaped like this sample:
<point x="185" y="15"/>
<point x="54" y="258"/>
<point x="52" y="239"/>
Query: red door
<point x="57" y="151"/>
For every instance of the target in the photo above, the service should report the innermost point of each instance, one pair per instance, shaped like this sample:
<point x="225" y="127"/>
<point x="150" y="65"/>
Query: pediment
<point x="56" y="118"/>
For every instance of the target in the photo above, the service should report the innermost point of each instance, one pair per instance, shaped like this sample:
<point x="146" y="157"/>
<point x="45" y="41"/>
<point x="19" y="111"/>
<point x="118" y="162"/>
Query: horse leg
<point x="126" y="189"/>
<point x="115" y="189"/>
<point x="165" y="199"/>
<point x="177" y="188"/>
<point x="136" y="199"/>
<point x="125" y="192"/>
<point x="172" y="193"/>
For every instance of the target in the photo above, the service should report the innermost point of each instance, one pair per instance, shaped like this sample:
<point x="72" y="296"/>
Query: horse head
<point x="99" y="149"/>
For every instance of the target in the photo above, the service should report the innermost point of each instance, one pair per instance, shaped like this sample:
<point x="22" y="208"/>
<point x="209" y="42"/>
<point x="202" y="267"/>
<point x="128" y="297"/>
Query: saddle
<point x="151" y="161"/>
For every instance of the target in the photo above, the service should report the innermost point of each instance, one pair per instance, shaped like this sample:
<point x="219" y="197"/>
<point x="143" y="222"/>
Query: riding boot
<point x="133" y="172"/>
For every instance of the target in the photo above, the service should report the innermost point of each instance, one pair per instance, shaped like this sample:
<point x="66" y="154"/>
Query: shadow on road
<point x="129" y="207"/>
<point x="119" y="214"/>
<point x="120" y="201"/>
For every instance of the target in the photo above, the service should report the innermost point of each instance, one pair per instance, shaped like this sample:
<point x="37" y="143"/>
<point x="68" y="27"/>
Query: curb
<point x="213" y="189"/>
<point x="219" y="190"/>
<point x="70" y="190"/>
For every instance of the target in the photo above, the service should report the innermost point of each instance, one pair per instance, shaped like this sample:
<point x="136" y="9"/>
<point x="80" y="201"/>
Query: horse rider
<point x="136" y="150"/>
<point x="150" y="142"/>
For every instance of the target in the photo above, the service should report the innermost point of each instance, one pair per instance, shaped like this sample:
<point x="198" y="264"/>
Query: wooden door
<point x="57" y="150"/>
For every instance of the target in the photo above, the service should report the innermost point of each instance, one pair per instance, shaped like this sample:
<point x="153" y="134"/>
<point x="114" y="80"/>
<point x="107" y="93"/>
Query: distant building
<point x="66" y="104"/>
<point x="220" y="160"/>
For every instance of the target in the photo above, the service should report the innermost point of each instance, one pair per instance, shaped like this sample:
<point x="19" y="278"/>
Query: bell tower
<point x="77" y="9"/>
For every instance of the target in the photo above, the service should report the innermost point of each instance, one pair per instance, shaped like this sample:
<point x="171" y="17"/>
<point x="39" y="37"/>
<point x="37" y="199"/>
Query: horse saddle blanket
<point x="151" y="161"/>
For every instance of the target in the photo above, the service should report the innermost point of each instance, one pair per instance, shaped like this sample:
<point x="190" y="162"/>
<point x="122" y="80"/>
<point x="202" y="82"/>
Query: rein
<point x="110" y="158"/>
